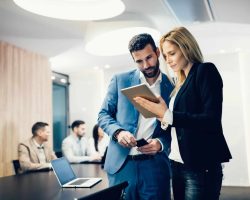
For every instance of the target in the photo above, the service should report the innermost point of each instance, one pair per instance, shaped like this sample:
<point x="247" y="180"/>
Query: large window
<point x="60" y="110"/>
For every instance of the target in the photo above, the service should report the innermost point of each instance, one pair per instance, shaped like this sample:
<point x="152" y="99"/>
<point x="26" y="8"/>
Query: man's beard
<point x="80" y="135"/>
<point x="155" y="70"/>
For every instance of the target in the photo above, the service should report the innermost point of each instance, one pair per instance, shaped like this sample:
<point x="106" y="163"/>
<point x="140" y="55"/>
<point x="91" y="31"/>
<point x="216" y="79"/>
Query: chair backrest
<point x="104" y="157"/>
<point x="58" y="154"/>
<point x="115" y="192"/>
<point x="16" y="166"/>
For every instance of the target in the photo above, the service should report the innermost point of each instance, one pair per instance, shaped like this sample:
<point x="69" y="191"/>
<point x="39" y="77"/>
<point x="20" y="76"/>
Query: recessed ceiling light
<point x="222" y="51"/>
<point x="63" y="80"/>
<point x="116" y="42"/>
<point x="74" y="9"/>
<point x="106" y="66"/>
<point x="237" y="49"/>
<point x="96" y="68"/>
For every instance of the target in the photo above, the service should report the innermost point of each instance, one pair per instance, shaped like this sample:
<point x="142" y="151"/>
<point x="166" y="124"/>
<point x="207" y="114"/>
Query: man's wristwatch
<point x="116" y="134"/>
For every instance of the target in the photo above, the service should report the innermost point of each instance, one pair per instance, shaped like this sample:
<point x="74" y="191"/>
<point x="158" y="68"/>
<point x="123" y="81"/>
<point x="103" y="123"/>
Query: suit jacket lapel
<point x="35" y="149"/>
<point x="135" y="80"/>
<point x="165" y="89"/>
<point x="46" y="153"/>
<point x="185" y="84"/>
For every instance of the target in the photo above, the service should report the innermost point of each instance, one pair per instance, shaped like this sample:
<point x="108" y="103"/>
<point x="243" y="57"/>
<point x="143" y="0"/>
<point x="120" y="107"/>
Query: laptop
<point x="67" y="178"/>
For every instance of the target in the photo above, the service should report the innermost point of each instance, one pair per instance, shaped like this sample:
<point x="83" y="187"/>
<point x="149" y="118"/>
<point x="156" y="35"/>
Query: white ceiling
<point x="63" y="41"/>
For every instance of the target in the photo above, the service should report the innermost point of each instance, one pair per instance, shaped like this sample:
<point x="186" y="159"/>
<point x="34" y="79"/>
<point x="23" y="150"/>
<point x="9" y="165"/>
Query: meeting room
<point x="124" y="99"/>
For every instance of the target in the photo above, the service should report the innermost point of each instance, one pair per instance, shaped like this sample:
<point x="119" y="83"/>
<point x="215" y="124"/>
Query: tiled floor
<point x="235" y="193"/>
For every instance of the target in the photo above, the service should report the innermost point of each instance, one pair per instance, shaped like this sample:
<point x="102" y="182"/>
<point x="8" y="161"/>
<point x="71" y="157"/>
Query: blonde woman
<point x="193" y="119"/>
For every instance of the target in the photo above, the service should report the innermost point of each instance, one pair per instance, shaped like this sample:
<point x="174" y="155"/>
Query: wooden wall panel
<point x="25" y="97"/>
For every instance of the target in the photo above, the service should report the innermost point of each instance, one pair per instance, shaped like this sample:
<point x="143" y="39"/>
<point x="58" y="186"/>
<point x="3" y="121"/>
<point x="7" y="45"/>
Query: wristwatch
<point x="116" y="134"/>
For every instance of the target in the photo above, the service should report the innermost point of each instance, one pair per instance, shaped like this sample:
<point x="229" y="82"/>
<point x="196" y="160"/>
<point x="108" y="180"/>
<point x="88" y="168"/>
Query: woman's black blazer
<point x="197" y="118"/>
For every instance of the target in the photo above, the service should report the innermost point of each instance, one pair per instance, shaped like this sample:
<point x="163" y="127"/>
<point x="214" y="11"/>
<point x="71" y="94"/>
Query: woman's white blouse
<point x="102" y="145"/>
<point x="168" y="119"/>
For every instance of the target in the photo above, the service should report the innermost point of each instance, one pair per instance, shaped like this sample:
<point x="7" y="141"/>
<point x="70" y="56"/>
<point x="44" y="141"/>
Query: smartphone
<point x="141" y="142"/>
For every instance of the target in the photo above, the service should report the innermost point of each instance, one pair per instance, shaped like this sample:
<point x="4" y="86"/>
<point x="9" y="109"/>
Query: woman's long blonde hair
<point x="189" y="47"/>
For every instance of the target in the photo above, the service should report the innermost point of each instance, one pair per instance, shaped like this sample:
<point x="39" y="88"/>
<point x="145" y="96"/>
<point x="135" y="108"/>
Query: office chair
<point x="115" y="192"/>
<point x="104" y="157"/>
<point x="16" y="166"/>
<point x="58" y="154"/>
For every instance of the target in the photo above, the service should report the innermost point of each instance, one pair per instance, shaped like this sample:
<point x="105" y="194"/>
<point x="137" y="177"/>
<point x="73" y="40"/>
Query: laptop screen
<point x="63" y="170"/>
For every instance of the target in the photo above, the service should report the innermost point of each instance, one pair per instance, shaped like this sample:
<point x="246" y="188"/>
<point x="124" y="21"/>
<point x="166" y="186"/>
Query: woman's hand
<point x="158" y="109"/>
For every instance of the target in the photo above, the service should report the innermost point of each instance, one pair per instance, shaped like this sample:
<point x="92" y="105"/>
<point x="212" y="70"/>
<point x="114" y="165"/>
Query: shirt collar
<point x="143" y="79"/>
<point x="37" y="145"/>
<point x="77" y="139"/>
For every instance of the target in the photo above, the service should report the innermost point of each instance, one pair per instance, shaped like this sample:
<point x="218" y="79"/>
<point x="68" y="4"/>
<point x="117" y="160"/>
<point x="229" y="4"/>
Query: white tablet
<point x="144" y="91"/>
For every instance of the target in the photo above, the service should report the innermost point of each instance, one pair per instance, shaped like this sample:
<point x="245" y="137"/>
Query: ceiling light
<point x="222" y="51"/>
<point x="237" y="49"/>
<point x="116" y="42"/>
<point x="106" y="66"/>
<point x="74" y="9"/>
<point x="96" y="68"/>
<point x="63" y="80"/>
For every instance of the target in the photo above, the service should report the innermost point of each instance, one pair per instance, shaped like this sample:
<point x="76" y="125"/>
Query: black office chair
<point x="115" y="192"/>
<point x="104" y="158"/>
<point x="16" y="165"/>
<point x="58" y="154"/>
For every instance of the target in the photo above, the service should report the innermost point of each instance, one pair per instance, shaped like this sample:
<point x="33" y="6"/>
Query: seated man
<point x="75" y="146"/>
<point x="34" y="154"/>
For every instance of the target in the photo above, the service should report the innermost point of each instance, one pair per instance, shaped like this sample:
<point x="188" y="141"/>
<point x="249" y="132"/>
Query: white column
<point x="244" y="59"/>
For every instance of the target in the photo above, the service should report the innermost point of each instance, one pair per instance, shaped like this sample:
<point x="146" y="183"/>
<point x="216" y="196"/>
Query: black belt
<point x="140" y="157"/>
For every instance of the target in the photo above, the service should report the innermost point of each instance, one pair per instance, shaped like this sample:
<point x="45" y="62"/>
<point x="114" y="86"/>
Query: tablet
<point x="141" y="90"/>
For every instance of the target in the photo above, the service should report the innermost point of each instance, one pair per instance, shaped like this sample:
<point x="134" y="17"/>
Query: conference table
<point x="44" y="185"/>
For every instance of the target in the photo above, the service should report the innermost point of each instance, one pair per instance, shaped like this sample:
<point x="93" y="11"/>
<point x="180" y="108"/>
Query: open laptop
<point x="66" y="176"/>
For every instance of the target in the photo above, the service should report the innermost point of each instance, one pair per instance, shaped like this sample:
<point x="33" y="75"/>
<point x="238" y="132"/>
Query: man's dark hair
<point x="138" y="42"/>
<point x="76" y="123"/>
<point x="37" y="126"/>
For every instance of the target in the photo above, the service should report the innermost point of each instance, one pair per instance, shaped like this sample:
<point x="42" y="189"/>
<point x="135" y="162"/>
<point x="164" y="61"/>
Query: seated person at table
<point x="34" y="154"/>
<point x="75" y="146"/>
<point x="99" y="142"/>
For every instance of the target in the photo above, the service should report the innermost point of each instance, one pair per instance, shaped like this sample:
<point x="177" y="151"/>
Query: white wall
<point x="86" y="96"/>
<point x="234" y="118"/>
<point x="108" y="74"/>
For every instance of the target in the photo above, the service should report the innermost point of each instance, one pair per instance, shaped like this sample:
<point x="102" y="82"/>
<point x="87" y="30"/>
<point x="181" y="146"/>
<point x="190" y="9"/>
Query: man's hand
<point x="126" y="139"/>
<point x="152" y="148"/>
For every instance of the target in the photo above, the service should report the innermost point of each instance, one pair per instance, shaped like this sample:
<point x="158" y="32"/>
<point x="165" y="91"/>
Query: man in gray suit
<point x="34" y="154"/>
<point x="145" y="168"/>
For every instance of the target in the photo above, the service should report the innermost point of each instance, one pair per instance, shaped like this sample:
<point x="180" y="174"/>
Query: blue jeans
<point x="148" y="179"/>
<point x="200" y="184"/>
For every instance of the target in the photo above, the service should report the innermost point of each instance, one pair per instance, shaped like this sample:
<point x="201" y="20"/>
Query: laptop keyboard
<point x="78" y="182"/>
